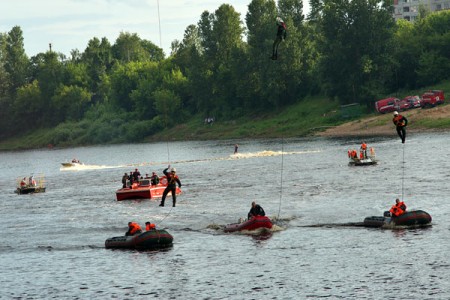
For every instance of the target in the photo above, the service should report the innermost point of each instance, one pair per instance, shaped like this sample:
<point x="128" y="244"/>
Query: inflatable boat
<point x="252" y="224"/>
<point x="148" y="240"/>
<point x="414" y="218"/>
<point x="362" y="162"/>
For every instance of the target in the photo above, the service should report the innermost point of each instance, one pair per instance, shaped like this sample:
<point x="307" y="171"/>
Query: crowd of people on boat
<point x="135" y="177"/>
<point x="353" y="154"/>
<point x="28" y="182"/>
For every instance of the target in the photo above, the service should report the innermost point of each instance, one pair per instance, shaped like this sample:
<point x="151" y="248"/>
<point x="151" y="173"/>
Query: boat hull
<point x="143" y="192"/>
<point x="70" y="164"/>
<point x="29" y="190"/>
<point x="414" y="218"/>
<point x="148" y="240"/>
<point x="252" y="224"/>
<point x="362" y="162"/>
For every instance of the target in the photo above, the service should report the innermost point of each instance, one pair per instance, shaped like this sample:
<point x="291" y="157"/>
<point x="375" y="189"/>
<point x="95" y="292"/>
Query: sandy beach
<point x="381" y="125"/>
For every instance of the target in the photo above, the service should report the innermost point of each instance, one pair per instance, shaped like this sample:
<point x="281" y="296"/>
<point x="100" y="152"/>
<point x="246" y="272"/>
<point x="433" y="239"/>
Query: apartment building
<point x="409" y="9"/>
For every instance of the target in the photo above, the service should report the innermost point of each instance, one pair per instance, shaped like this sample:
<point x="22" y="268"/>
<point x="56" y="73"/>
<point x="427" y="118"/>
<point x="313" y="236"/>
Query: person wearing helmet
<point x="281" y="35"/>
<point x="400" y="123"/>
<point x="172" y="181"/>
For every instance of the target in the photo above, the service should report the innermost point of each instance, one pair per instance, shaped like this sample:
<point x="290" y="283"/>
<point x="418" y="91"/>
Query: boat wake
<point x="88" y="167"/>
<point x="266" y="153"/>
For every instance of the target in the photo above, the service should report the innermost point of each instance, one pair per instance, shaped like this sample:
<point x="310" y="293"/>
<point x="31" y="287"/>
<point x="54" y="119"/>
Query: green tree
<point x="356" y="49"/>
<point x="28" y="106"/>
<point x="129" y="47"/>
<point x="70" y="102"/>
<point x="16" y="61"/>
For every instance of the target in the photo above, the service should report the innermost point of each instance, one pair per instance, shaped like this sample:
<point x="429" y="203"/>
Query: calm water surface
<point x="52" y="244"/>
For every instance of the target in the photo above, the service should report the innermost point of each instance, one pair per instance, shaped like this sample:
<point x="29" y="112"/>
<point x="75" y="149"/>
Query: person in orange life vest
<point x="150" y="226"/>
<point x="256" y="210"/>
<point x="354" y="154"/>
<point x="133" y="228"/>
<point x="400" y="123"/>
<point x="398" y="208"/>
<point x="364" y="149"/>
<point x="172" y="180"/>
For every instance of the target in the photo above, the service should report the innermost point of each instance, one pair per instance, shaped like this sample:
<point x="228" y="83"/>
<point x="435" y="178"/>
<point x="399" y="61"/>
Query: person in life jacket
<point x="133" y="228"/>
<point x="281" y="35"/>
<point x="398" y="208"/>
<point x="150" y="226"/>
<point x="256" y="210"/>
<point x="23" y="183"/>
<point x="364" y="149"/>
<point x="400" y="122"/>
<point x="172" y="181"/>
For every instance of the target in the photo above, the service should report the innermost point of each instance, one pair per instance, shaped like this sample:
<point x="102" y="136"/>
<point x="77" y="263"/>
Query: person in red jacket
<point x="363" y="149"/>
<point x="398" y="208"/>
<point x="400" y="124"/>
<point x="133" y="228"/>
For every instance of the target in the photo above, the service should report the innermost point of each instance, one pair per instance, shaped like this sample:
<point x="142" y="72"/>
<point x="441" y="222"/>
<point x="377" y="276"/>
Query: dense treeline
<point x="349" y="50"/>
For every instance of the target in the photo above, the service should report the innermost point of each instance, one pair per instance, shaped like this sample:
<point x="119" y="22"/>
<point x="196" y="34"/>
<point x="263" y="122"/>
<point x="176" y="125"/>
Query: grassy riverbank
<point x="312" y="116"/>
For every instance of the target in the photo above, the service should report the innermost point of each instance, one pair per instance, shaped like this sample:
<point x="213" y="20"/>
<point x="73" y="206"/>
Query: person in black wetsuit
<point x="172" y="180"/>
<point x="256" y="210"/>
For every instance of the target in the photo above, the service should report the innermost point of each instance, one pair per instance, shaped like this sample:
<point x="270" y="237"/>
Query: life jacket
<point x="150" y="226"/>
<point x="134" y="228"/>
<point x="361" y="155"/>
<point x="364" y="146"/>
<point x="349" y="153"/>
<point x="398" y="209"/>
<point x="398" y="121"/>
<point x="172" y="179"/>
<point x="23" y="183"/>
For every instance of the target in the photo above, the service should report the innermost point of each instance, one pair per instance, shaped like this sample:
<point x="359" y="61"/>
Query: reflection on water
<point x="316" y="201"/>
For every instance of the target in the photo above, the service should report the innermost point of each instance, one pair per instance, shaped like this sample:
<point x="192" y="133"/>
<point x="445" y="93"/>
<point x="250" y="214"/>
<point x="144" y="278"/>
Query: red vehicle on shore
<point x="411" y="101"/>
<point x="432" y="98"/>
<point x="387" y="105"/>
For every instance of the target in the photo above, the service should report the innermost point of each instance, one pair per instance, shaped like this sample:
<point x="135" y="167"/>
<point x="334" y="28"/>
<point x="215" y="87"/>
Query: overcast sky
<point x="70" y="24"/>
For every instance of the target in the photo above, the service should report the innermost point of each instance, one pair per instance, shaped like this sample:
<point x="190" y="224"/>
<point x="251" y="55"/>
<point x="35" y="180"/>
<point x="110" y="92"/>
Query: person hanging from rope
<point x="398" y="208"/>
<point x="172" y="180"/>
<point x="400" y="122"/>
<point x="281" y="35"/>
<point x="256" y="210"/>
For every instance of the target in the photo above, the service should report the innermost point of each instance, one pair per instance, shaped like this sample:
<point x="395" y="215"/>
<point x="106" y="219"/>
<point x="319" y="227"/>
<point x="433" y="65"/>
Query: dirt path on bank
<point x="381" y="125"/>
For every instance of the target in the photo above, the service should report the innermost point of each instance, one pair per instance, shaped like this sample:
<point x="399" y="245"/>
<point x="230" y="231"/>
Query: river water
<point x="52" y="244"/>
